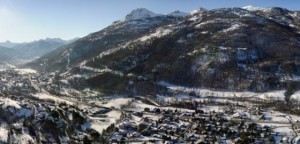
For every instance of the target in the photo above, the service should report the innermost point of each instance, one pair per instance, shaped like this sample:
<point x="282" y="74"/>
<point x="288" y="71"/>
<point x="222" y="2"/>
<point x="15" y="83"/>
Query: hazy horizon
<point x="40" y="39"/>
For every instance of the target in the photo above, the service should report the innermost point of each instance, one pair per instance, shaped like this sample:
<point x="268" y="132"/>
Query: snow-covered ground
<point x="296" y="96"/>
<point x="3" y="132"/>
<point x="139" y="106"/>
<point x="7" y="103"/>
<point x="22" y="139"/>
<point x="273" y="95"/>
<point x="233" y="27"/>
<point x="100" y="124"/>
<point x="279" y="122"/>
<point x="158" y="33"/>
<point x="117" y="102"/>
<point x="252" y="8"/>
<point x="25" y="71"/>
<point x="44" y="96"/>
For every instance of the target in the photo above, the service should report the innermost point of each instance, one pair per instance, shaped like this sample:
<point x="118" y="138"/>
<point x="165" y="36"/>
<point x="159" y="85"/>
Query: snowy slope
<point x="252" y="8"/>
<point x="178" y="14"/>
<point x="140" y="13"/>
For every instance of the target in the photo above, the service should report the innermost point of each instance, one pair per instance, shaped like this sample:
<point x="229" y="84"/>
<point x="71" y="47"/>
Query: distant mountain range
<point x="16" y="53"/>
<point x="256" y="49"/>
<point x="4" y="53"/>
<point x="8" y="44"/>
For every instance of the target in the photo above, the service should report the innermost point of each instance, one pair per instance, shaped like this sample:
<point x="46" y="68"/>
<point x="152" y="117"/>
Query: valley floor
<point x="40" y="109"/>
<point x="204" y="122"/>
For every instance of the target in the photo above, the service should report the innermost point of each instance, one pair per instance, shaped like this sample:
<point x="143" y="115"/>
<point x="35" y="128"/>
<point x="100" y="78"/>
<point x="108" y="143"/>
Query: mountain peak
<point x="276" y="10"/>
<point x="8" y="44"/>
<point x="178" y="14"/>
<point x="199" y="10"/>
<point x="48" y="38"/>
<point x="140" y="13"/>
<point x="7" y="41"/>
<point x="252" y="8"/>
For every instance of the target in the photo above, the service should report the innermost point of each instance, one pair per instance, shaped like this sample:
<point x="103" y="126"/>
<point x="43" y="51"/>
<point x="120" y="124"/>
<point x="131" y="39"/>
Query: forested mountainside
<point x="228" y="48"/>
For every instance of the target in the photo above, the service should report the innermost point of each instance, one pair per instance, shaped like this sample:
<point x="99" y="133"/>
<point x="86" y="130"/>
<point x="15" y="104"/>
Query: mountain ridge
<point x="9" y="44"/>
<point x="18" y="53"/>
<point x="115" y="34"/>
<point x="226" y="48"/>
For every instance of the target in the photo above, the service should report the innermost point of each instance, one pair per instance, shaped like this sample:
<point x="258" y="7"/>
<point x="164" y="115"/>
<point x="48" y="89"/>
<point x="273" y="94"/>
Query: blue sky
<point x="27" y="20"/>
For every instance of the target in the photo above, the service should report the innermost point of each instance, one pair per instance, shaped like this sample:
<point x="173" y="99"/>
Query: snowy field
<point x="44" y="96"/>
<point x="273" y="95"/>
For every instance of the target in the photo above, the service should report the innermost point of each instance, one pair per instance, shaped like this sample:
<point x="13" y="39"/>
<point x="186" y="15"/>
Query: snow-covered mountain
<point x="140" y="13"/>
<point x="136" y="24"/>
<point x="231" y="63"/>
<point x="8" y="44"/>
<point x="4" y="53"/>
<point x="199" y="10"/>
<point x="40" y="47"/>
<point x="178" y="14"/>
<point x="25" y="52"/>
<point x="227" y="48"/>
<point x="252" y="8"/>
